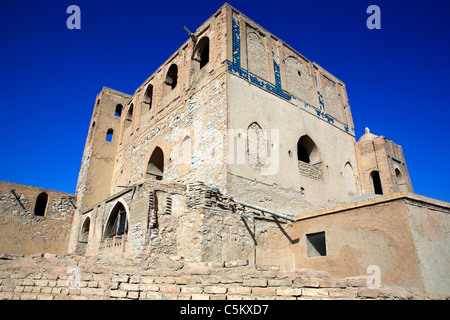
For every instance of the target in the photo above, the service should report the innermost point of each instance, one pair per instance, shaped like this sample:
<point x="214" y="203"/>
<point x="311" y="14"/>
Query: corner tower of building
<point x="294" y="121"/>
<point x="381" y="165"/>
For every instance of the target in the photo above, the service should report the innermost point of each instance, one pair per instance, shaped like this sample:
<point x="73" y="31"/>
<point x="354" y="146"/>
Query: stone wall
<point x="198" y="223"/>
<point x="24" y="232"/>
<point x="146" y="277"/>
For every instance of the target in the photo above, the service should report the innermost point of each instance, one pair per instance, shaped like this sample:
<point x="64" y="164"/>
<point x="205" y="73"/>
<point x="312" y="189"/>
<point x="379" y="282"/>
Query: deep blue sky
<point x="397" y="78"/>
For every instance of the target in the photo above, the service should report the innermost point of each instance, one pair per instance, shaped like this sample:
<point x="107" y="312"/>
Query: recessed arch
<point x="117" y="223"/>
<point x="185" y="151"/>
<point x="298" y="79"/>
<point x="201" y="52"/>
<point x="41" y="204"/>
<point x="257" y="55"/>
<point x="148" y="96"/>
<point x="109" y="135"/>
<point x="171" y="80"/>
<point x="375" y="182"/>
<point x="155" y="166"/>
<point x="130" y="113"/>
<point x="257" y="146"/>
<point x="400" y="180"/>
<point x="118" y="112"/>
<point x="349" y="177"/>
<point x="129" y="117"/>
<point x="307" y="151"/>
<point x="84" y="232"/>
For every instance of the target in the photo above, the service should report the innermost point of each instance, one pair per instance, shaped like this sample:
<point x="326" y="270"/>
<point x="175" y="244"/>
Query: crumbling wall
<point x="188" y="121"/>
<point x="22" y="231"/>
<point x="201" y="121"/>
<point x="98" y="157"/>
<point x="430" y="226"/>
<point x="143" y="277"/>
<point x="404" y="236"/>
<point x="153" y="210"/>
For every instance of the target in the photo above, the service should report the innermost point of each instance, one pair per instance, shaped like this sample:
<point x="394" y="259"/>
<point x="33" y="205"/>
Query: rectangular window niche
<point x="316" y="244"/>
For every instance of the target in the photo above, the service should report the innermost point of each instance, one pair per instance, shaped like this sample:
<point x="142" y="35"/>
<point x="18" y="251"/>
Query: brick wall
<point x="69" y="277"/>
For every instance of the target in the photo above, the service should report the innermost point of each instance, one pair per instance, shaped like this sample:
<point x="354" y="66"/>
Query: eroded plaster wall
<point x="180" y="109"/>
<point x="430" y="231"/>
<point x="187" y="122"/>
<point x="405" y="237"/>
<point x="274" y="88"/>
<point x="286" y="184"/>
<point x="97" y="163"/>
<point x="22" y="231"/>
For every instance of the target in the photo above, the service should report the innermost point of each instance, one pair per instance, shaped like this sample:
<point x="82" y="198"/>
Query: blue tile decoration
<point x="321" y="103"/>
<point x="324" y="115"/>
<point x="235" y="67"/>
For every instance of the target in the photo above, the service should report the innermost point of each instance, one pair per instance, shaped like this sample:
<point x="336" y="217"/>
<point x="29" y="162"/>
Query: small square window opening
<point x="316" y="244"/>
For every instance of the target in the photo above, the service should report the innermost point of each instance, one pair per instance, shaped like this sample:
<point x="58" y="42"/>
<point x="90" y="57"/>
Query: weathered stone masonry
<point x="231" y="172"/>
<point x="27" y="229"/>
<point x="143" y="277"/>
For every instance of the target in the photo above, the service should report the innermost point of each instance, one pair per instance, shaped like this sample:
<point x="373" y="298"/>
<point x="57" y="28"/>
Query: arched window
<point x="129" y="117"/>
<point x="309" y="159"/>
<point x="155" y="167"/>
<point x="84" y="236"/>
<point x="185" y="151"/>
<point x="117" y="224"/>
<point x="302" y="154"/>
<point x="257" y="54"/>
<point x="118" y="112"/>
<point x="349" y="177"/>
<point x="400" y="181"/>
<point x="201" y="52"/>
<point x="109" y="135"/>
<point x="298" y="79"/>
<point x="375" y="181"/>
<point x="130" y="113"/>
<point x="41" y="204"/>
<point x="148" y="96"/>
<point x="172" y="76"/>
<point x="307" y="151"/>
<point x="256" y="145"/>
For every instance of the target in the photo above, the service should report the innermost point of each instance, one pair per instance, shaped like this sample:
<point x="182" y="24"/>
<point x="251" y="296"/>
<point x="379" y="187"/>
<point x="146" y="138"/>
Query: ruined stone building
<point x="240" y="148"/>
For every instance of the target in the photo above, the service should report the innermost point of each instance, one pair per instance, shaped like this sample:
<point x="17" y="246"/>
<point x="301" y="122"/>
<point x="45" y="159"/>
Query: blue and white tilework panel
<point x="235" y="67"/>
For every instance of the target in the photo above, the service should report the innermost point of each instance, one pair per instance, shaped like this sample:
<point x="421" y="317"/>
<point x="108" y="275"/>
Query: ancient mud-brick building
<point x="238" y="148"/>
